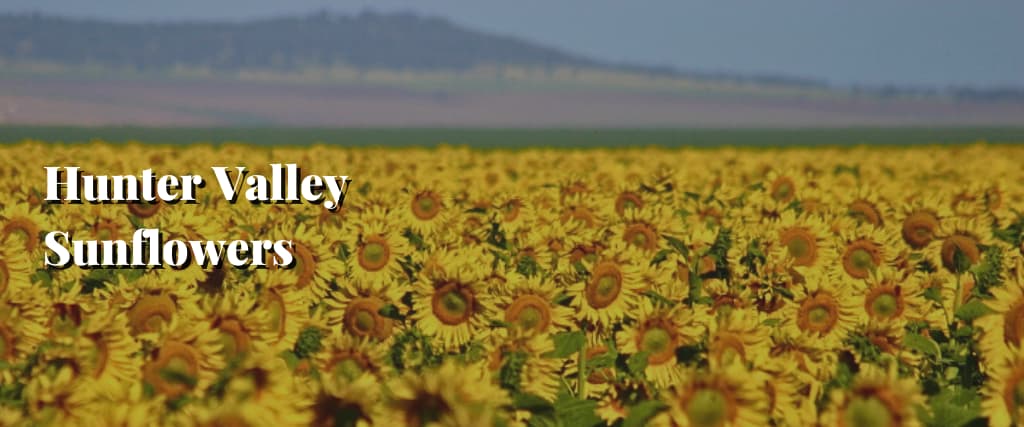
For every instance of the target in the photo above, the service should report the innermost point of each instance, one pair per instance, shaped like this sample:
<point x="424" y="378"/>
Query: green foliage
<point x="309" y="342"/>
<point x="567" y="344"/>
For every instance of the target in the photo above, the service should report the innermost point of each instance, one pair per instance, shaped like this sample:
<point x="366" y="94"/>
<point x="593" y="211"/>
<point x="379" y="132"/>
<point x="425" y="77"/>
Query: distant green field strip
<point x="520" y="138"/>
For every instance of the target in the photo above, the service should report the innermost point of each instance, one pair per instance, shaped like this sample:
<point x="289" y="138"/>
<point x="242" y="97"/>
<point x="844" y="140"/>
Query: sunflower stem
<point x="956" y="297"/>
<point x="581" y="381"/>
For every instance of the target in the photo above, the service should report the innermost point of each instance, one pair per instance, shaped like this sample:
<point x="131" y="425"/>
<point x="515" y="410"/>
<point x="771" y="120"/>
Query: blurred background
<point x="571" y="64"/>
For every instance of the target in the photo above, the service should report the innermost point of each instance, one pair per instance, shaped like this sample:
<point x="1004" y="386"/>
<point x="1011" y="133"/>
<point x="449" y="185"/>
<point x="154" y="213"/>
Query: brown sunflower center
<point x="151" y="311"/>
<point x="884" y="302"/>
<point x="642" y="236"/>
<point x="963" y="243"/>
<point x="1013" y="324"/>
<point x="627" y="200"/>
<point x="818" y="313"/>
<point x="511" y="209"/>
<point x="362" y="318"/>
<point x="374" y="255"/>
<point x="175" y="369"/>
<point x="708" y="408"/>
<point x="426" y="206"/>
<point x="865" y="211"/>
<point x="604" y="286"/>
<point x="529" y="312"/>
<point x="453" y="304"/>
<point x="783" y="189"/>
<point x="24" y="228"/>
<point x="801" y="245"/>
<point x="919" y="228"/>
<point x="861" y="257"/>
<point x="659" y="344"/>
<point x="143" y="210"/>
<point x="305" y="264"/>
<point x="5" y="276"/>
<point x="233" y="337"/>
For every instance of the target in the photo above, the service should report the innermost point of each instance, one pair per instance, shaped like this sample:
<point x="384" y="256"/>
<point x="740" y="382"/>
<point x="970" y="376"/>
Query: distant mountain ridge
<point x="369" y="40"/>
<point x="366" y="40"/>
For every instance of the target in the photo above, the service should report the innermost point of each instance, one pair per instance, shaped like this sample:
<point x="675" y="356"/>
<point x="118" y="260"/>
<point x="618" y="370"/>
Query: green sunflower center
<point x="348" y="369"/>
<point x="655" y="340"/>
<point x="228" y="341"/>
<point x="364" y="321"/>
<point x="454" y="303"/>
<point x="885" y="305"/>
<point x="374" y="252"/>
<point x="867" y="412"/>
<point x="818" y="315"/>
<point x="607" y="286"/>
<point x="707" y="408"/>
<point x="798" y="247"/>
<point x="529" y="317"/>
<point x="639" y="239"/>
<point x="862" y="259"/>
<point x="426" y="204"/>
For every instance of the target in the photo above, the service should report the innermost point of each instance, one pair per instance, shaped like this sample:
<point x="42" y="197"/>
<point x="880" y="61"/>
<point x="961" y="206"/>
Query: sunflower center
<point x="818" y="314"/>
<point x="374" y="254"/>
<point x="364" y="322"/>
<point x="658" y="343"/>
<point x="783" y="189"/>
<point x="150" y="312"/>
<point x="452" y="304"/>
<point x="918" y="229"/>
<point x="529" y="312"/>
<point x="800" y="244"/>
<point x="605" y="286"/>
<point x="348" y="369"/>
<point x="707" y="408"/>
<point x="641" y="236"/>
<point x="1013" y="324"/>
<point x="865" y="211"/>
<point x="24" y="228"/>
<point x="362" y="318"/>
<point x="963" y="243"/>
<point x="305" y="263"/>
<point x="867" y="412"/>
<point x="143" y="210"/>
<point x="860" y="258"/>
<point x="5" y="277"/>
<point x="885" y="305"/>
<point x="276" y="312"/>
<point x="627" y="201"/>
<point x="425" y="206"/>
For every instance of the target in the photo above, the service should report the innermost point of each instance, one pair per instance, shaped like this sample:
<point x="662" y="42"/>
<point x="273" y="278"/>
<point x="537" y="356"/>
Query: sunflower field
<point x="537" y="287"/>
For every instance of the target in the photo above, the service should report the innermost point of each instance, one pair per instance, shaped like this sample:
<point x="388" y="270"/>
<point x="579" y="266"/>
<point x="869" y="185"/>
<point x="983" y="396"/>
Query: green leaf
<point x="925" y="345"/>
<point x="637" y="363"/>
<point x="642" y="412"/>
<point x="659" y="299"/>
<point x="573" y="412"/>
<point x="391" y="312"/>
<point x="677" y="244"/>
<point x="973" y="309"/>
<point x="952" y="407"/>
<point x="531" y="402"/>
<point x="567" y="344"/>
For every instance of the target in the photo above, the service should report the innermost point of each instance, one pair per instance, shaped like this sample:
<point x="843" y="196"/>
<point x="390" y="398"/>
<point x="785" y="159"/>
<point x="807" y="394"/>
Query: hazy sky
<point x="932" y="42"/>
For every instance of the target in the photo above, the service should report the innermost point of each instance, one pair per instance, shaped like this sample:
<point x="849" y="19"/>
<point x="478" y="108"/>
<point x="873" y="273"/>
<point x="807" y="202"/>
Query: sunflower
<point x="242" y="327"/>
<point x="1003" y="327"/>
<point x="867" y="206"/>
<point x="346" y="358"/>
<point x="99" y="347"/>
<point x="449" y="301"/>
<point x="316" y="266"/>
<point x="646" y="229"/>
<point x="426" y="209"/>
<point x="185" y="359"/>
<point x="738" y="334"/>
<point x="15" y="267"/>
<point x="22" y="226"/>
<point x="257" y="393"/>
<point x="357" y="310"/>
<point x="342" y="400"/>
<point x="285" y="304"/>
<point x="659" y="332"/>
<point x="784" y="186"/>
<point x="804" y="238"/>
<point x="727" y="396"/>
<point x="961" y="243"/>
<point x="878" y="398"/>
<point x="860" y="250"/>
<point x="612" y="287"/>
<point x="529" y="305"/>
<point x="451" y="395"/>
<point x="1003" y="402"/>
<point x="822" y="308"/>
<point x="520" y="359"/>
<point x="922" y="218"/>
<point x="376" y="254"/>
<point x="57" y="396"/>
